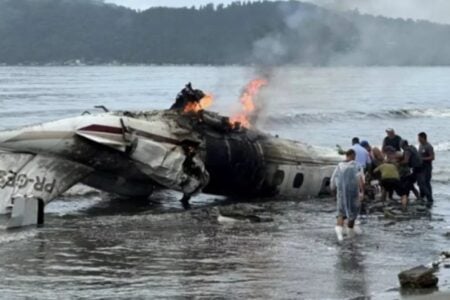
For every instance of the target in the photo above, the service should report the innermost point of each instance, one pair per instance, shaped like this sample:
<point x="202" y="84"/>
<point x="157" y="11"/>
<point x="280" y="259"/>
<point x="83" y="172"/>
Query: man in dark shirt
<point x="412" y="160"/>
<point x="427" y="152"/>
<point x="391" y="140"/>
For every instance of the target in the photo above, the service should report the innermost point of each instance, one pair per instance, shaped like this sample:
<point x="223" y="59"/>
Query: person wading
<point x="348" y="183"/>
<point x="426" y="151"/>
<point x="411" y="158"/>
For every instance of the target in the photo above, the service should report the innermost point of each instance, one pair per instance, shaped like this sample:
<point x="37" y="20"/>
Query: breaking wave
<point x="293" y="118"/>
<point x="442" y="147"/>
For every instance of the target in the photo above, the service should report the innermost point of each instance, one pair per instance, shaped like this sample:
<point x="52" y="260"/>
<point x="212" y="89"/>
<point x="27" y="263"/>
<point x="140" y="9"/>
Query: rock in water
<point x="418" y="278"/>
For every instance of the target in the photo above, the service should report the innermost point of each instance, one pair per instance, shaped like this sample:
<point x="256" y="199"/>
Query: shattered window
<point x="298" y="180"/>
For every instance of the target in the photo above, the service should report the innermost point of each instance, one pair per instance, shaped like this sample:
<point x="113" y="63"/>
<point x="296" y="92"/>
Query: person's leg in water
<point x="404" y="189"/>
<point x="416" y="177"/>
<point x="416" y="193"/>
<point x="389" y="186"/>
<point x="383" y="194"/>
<point x="428" y="170"/>
<point x="405" y="196"/>
<point x="354" y="208"/>
<point x="423" y="186"/>
<point x="383" y="190"/>
<point x="405" y="201"/>
<point x="340" y="228"/>
<point x="391" y="195"/>
<point x="185" y="201"/>
<point x="351" y="228"/>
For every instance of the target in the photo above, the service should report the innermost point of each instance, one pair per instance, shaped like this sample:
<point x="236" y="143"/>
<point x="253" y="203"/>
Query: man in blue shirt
<point x="362" y="155"/>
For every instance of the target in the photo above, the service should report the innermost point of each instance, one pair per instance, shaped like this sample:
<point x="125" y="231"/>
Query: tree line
<point x="93" y="32"/>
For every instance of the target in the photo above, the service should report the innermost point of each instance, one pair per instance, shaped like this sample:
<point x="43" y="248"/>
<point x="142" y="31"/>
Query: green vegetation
<point x="62" y="31"/>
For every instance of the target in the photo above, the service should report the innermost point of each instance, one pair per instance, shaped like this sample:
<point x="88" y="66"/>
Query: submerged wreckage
<point x="133" y="153"/>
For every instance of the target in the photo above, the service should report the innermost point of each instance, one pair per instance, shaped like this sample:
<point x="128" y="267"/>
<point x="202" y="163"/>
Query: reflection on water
<point x="350" y="270"/>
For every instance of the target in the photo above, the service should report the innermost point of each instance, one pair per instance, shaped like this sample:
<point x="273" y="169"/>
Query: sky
<point x="431" y="10"/>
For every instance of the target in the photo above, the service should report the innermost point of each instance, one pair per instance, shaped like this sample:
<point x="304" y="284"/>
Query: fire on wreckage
<point x="186" y="148"/>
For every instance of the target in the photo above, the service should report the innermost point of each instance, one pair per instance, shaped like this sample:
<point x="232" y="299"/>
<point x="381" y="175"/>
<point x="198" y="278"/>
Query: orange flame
<point x="247" y="100"/>
<point x="205" y="102"/>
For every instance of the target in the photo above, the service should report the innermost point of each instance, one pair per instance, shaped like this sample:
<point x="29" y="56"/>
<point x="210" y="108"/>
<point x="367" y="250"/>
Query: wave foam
<point x="442" y="147"/>
<point x="295" y="118"/>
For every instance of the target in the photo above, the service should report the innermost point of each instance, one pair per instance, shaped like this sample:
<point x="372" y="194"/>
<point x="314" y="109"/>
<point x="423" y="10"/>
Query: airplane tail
<point x="28" y="182"/>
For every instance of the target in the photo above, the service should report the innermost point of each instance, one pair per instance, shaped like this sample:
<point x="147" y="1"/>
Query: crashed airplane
<point x="133" y="153"/>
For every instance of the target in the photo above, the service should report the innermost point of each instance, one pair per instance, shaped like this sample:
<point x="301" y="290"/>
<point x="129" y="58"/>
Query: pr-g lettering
<point x="21" y="181"/>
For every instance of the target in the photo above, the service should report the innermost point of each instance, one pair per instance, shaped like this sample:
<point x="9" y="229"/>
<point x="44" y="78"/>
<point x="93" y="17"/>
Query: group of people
<point x="397" y="166"/>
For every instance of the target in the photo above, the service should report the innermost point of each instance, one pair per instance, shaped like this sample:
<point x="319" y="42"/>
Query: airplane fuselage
<point x="119" y="147"/>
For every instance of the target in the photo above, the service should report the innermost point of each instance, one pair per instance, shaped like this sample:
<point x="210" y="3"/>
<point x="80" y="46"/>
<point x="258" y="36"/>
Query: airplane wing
<point x="28" y="182"/>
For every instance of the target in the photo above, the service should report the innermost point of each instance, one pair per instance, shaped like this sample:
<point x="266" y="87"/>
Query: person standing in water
<point x="426" y="150"/>
<point x="348" y="183"/>
<point x="412" y="159"/>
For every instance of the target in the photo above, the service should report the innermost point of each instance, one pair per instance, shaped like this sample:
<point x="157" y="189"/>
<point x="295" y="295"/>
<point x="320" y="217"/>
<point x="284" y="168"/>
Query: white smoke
<point x="434" y="11"/>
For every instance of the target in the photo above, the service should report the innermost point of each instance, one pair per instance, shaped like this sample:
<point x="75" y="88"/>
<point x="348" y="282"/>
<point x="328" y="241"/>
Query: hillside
<point x="64" y="31"/>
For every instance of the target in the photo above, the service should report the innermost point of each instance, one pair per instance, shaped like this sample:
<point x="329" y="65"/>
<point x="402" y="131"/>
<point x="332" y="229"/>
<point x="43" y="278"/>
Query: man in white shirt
<point x="362" y="155"/>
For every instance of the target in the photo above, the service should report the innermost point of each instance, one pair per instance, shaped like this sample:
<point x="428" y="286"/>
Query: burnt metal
<point x="235" y="165"/>
<point x="187" y="95"/>
<point x="233" y="158"/>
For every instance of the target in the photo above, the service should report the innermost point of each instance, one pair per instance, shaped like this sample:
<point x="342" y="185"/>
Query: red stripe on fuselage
<point x="102" y="128"/>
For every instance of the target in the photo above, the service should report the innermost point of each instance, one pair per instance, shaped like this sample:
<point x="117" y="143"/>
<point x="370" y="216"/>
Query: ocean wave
<point x="295" y="118"/>
<point x="420" y="113"/>
<point x="41" y="112"/>
<point x="442" y="147"/>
